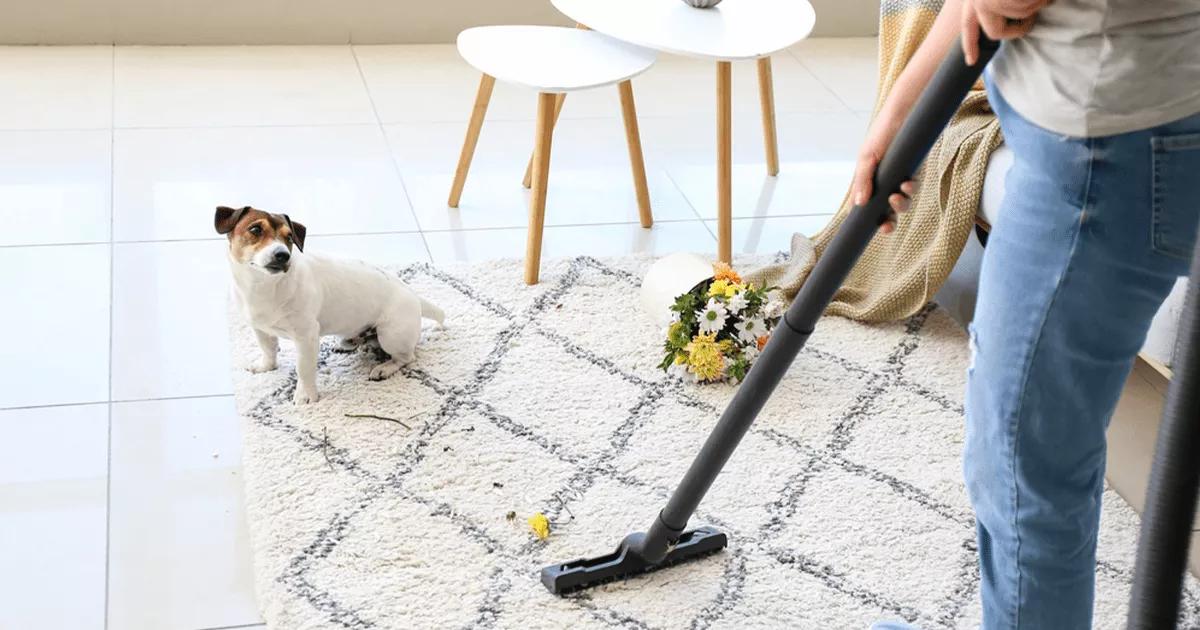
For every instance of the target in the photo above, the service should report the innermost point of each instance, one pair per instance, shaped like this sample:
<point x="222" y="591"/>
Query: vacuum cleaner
<point x="1170" y="511"/>
<point x="666" y="543"/>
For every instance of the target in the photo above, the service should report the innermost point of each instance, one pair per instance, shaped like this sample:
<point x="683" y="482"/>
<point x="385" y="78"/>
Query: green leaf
<point x="667" y="361"/>
<point x="738" y="367"/>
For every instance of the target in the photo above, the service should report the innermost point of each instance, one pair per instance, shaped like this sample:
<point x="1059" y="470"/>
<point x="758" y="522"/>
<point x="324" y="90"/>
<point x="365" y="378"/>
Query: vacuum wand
<point x="666" y="543"/>
<point x="1174" y="482"/>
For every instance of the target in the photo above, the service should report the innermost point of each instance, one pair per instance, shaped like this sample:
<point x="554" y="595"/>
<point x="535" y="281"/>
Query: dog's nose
<point x="282" y="257"/>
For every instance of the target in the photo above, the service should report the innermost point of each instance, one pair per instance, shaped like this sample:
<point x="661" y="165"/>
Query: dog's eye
<point x="256" y="230"/>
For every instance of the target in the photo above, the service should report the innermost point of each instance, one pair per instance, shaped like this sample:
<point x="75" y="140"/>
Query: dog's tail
<point x="429" y="310"/>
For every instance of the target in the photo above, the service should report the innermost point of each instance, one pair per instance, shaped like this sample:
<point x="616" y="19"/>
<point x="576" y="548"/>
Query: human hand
<point x="864" y="173"/>
<point x="999" y="19"/>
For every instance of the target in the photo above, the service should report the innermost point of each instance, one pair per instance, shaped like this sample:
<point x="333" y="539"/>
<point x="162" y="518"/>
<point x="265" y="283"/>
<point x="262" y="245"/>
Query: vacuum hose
<point x="929" y="116"/>
<point x="1170" y="512"/>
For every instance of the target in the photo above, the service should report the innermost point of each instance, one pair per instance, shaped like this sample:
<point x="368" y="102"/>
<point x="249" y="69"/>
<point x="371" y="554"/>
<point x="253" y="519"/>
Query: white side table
<point x="552" y="61"/>
<point x="734" y="30"/>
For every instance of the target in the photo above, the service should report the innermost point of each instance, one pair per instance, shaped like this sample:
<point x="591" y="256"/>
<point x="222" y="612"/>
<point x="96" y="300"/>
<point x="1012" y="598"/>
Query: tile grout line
<point x="116" y="127"/>
<point x="55" y="405"/>
<point x="687" y="200"/>
<point x="328" y="125"/>
<point x="246" y="626"/>
<point x="499" y="228"/>
<point x="112" y="213"/>
<point x="387" y="143"/>
<point x="115" y="401"/>
<point x="839" y="98"/>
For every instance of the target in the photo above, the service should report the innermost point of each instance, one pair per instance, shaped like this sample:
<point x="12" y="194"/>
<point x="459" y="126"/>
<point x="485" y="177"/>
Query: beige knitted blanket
<point x="899" y="273"/>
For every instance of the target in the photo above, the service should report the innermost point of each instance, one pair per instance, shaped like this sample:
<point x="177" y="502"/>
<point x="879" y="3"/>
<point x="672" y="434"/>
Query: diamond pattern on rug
<point x="582" y="423"/>
<point x="517" y="480"/>
<point x="660" y="451"/>
<point x="876" y="537"/>
<point x="779" y="595"/>
<point x="918" y="441"/>
<point x="418" y="540"/>
<point x="936" y="367"/>
<point x="843" y="504"/>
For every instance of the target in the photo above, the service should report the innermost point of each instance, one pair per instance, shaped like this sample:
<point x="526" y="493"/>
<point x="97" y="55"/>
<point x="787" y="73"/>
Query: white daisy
<point x="712" y="317"/>
<point x="736" y="304"/>
<point x="750" y="330"/>
<point x="751" y="352"/>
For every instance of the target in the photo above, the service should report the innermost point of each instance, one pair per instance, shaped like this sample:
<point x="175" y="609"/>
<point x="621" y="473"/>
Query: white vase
<point x="668" y="278"/>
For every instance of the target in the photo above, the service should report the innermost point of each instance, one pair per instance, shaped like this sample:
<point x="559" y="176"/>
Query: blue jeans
<point x="1091" y="237"/>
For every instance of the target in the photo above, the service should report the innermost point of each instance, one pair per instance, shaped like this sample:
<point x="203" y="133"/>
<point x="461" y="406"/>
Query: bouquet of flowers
<point x="719" y="327"/>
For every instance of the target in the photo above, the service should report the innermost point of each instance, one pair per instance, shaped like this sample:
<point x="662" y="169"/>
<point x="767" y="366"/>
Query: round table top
<point x="731" y="31"/>
<point x="552" y="58"/>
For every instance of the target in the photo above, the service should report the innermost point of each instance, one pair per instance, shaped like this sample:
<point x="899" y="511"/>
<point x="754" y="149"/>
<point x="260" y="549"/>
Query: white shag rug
<point x="844" y="503"/>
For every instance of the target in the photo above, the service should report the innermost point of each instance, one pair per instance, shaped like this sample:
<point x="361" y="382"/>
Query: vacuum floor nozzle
<point x="578" y="575"/>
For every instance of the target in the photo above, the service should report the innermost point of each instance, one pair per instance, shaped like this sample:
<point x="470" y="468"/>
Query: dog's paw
<point x="304" y="397"/>
<point x="262" y="365"/>
<point x="384" y="370"/>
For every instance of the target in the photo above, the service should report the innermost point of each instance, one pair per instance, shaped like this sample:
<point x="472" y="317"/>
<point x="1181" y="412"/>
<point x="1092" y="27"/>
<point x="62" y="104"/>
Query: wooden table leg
<point x="541" y="173"/>
<point x="558" y="105"/>
<point x="724" y="162"/>
<point x="766" y="94"/>
<point x="636" y="161"/>
<point x="482" y="98"/>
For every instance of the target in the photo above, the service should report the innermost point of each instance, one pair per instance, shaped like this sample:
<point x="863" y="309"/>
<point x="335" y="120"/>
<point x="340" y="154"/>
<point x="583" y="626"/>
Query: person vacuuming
<point x="1098" y="101"/>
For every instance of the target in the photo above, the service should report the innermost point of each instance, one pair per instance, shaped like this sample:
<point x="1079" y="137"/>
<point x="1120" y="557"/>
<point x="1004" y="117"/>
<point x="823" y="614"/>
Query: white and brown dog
<point x="303" y="297"/>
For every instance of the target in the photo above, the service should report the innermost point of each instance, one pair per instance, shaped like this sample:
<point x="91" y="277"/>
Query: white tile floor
<point x="120" y="495"/>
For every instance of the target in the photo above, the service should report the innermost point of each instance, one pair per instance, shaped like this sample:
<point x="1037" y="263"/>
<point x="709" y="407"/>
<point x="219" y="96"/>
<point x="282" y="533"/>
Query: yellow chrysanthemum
<point x="719" y="287"/>
<point x="705" y="357"/>
<point x="732" y="290"/>
<point x="722" y="271"/>
<point x="680" y="359"/>
<point x="540" y="525"/>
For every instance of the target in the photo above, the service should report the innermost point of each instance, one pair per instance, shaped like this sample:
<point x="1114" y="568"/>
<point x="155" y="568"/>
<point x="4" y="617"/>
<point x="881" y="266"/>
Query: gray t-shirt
<point x="1102" y="67"/>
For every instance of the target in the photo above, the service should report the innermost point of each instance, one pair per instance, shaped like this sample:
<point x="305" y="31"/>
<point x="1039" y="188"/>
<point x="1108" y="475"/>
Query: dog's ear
<point x="227" y="218"/>
<point x="298" y="231"/>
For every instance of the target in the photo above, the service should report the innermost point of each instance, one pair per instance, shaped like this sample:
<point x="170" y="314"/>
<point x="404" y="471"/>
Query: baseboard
<point x="314" y="21"/>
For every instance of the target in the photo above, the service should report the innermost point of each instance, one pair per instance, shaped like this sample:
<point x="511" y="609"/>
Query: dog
<point x="288" y="293"/>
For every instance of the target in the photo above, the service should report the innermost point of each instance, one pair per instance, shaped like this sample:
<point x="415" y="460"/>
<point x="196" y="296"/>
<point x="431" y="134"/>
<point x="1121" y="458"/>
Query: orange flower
<point x="762" y="341"/>
<point x="722" y="271"/>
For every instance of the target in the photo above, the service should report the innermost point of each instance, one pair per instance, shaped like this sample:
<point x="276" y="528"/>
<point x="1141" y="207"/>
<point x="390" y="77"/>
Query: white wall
<point x="310" y="21"/>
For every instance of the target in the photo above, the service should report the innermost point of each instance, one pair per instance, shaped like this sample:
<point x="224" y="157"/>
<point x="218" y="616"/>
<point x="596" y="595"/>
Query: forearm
<point x="916" y="74"/>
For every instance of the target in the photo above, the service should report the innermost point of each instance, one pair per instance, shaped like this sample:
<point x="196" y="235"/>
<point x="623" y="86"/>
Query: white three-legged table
<point x="735" y="30"/>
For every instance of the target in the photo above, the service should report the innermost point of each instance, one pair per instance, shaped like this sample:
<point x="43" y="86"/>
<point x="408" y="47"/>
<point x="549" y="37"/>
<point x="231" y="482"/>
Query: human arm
<point x="996" y="18"/>
<point x="899" y="102"/>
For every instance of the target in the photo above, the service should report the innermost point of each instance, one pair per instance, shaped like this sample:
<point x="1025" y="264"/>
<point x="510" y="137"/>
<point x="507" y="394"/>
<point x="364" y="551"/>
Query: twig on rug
<point x="325" y="446"/>
<point x="397" y="421"/>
